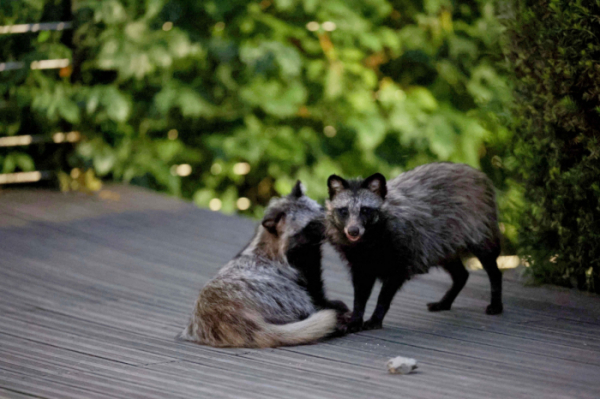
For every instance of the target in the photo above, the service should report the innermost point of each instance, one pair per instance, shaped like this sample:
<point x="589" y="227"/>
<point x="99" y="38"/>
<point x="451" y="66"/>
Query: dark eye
<point x="343" y="212"/>
<point x="367" y="212"/>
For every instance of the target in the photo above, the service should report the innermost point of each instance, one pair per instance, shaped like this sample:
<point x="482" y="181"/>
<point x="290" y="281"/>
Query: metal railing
<point x="26" y="140"/>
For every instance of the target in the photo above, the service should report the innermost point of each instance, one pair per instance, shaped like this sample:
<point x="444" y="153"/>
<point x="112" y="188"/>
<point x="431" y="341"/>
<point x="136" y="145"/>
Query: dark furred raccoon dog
<point x="425" y="217"/>
<point x="271" y="293"/>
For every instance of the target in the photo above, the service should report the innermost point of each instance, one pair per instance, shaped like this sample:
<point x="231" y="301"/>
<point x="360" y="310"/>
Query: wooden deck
<point x="93" y="290"/>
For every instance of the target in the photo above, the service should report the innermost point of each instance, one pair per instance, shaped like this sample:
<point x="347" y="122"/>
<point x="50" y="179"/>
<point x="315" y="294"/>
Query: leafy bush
<point x="24" y="93"/>
<point x="253" y="95"/>
<point x="554" y="49"/>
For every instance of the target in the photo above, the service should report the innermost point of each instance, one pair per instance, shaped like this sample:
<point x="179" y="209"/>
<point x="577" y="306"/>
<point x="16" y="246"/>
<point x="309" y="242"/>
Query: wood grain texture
<point x="93" y="292"/>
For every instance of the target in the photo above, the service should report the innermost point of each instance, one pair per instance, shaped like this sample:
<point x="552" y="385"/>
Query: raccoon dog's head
<point x="295" y="219"/>
<point x="353" y="205"/>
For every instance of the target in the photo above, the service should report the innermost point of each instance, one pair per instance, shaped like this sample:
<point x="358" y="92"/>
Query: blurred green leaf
<point x="253" y="95"/>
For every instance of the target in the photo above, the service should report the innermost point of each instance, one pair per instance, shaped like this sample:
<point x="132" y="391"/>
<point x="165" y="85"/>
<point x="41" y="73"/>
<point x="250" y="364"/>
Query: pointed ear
<point x="376" y="184"/>
<point x="298" y="190"/>
<point x="272" y="219"/>
<point x="336" y="184"/>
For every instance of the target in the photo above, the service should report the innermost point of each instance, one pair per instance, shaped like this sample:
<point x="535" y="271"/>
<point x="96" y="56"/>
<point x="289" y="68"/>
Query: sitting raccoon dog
<point x="425" y="217"/>
<point x="271" y="293"/>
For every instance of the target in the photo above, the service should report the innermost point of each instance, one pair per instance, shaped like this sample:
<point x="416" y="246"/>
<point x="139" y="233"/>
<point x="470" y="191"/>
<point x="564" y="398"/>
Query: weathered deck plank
<point x="92" y="293"/>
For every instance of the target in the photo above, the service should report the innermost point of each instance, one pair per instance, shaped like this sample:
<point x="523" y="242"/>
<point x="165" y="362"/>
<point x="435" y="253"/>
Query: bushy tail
<point x="263" y="334"/>
<point x="315" y="327"/>
<point x="188" y="333"/>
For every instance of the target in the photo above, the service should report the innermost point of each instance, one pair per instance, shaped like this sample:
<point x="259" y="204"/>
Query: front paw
<point x="355" y="325"/>
<point x="341" y="328"/>
<point x="343" y="319"/>
<point x="438" y="306"/>
<point x="373" y="324"/>
<point x="494" y="308"/>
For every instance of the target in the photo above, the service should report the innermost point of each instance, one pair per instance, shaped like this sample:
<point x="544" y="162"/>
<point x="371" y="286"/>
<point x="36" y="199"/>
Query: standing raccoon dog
<point x="270" y="293"/>
<point x="428" y="216"/>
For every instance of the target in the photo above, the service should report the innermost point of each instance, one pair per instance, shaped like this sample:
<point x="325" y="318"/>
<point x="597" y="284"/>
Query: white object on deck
<point x="401" y="365"/>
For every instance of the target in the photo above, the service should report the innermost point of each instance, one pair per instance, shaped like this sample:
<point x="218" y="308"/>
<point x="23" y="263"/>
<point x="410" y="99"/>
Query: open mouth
<point x="352" y="239"/>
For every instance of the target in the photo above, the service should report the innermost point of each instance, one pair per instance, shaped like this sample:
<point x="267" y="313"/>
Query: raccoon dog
<point x="425" y="217"/>
<point x="271" y="293"/>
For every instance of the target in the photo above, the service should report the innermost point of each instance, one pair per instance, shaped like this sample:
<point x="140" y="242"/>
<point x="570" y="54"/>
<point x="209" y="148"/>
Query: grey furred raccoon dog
<point x="431" y="215"/>
<point x="270" y="293"/>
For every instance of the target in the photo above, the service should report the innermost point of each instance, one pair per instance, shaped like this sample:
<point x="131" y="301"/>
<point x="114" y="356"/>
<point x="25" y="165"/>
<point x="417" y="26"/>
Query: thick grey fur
<point x="259" y="299"/>
<point x="429" y="216"/>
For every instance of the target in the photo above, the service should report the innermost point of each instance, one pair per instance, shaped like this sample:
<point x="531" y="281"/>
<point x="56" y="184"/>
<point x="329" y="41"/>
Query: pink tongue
<point x="352" y="238"/>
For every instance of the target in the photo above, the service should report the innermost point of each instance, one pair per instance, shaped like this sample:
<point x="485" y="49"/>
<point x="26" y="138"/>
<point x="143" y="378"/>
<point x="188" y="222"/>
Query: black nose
<point x="354" y="231"/>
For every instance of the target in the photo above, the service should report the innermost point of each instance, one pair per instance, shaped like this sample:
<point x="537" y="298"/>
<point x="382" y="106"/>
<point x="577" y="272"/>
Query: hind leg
<point x="495" y="275"/>
<point x="459" y="277"/>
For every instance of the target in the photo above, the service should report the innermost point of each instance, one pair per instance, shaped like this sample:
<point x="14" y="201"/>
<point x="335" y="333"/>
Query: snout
<point x="353" y="232"/>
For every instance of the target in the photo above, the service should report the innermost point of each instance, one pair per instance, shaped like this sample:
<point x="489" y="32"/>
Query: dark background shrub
<point x="554" y="51"/>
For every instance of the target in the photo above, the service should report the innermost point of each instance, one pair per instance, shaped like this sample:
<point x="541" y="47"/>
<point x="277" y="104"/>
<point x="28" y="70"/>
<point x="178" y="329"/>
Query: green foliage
<point x="554" y="49"/>
<point x="293" y="88"/>
<point x="30" y="101"/>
